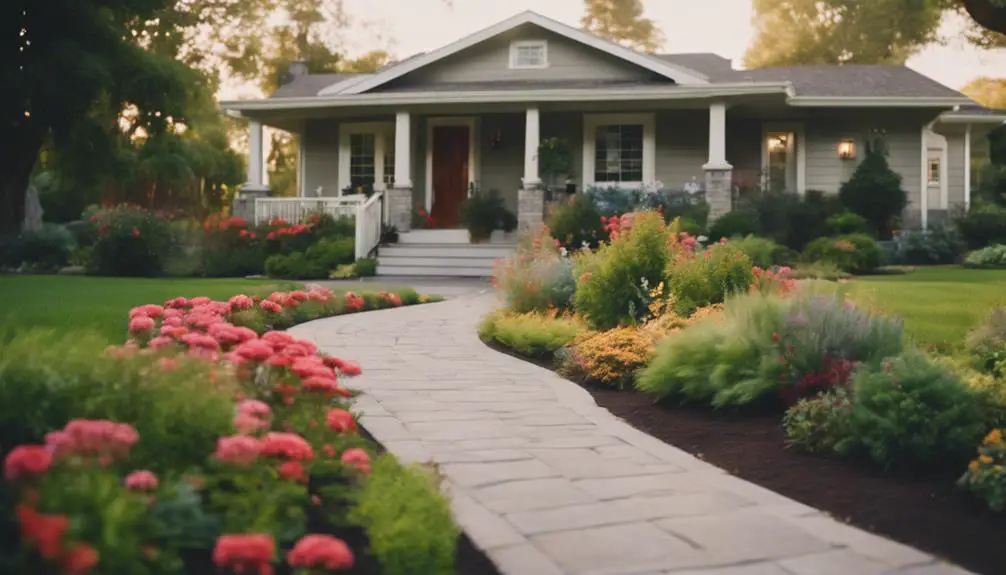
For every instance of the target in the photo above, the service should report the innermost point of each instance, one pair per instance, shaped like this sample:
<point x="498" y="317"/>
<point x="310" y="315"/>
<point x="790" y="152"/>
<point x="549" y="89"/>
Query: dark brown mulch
<point x="925" y="511"/>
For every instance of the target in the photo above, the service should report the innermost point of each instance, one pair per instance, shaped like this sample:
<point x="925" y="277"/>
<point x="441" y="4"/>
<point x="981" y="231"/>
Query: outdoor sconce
<point x="496" y="140"/>
<point x="847" y="149"/>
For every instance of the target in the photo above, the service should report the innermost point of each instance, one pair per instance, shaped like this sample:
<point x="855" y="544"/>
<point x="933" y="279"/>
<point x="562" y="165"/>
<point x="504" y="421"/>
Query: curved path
<point x="547" y="483"/>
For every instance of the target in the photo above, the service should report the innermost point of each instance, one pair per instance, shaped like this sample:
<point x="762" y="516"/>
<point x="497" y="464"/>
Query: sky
<point x="719" y="26"/>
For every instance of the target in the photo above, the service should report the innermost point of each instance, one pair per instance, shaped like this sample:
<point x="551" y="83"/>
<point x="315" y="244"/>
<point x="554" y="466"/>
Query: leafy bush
<point x="230" y="248"/>
<point x="47" y="248"/>
<point x="987" y="342"/>
<point x="131" y="242"/>
<point x="984" y="477"/>
<point x="874" y="191"/>
<point x="846" y="223"/>
<point x="993" y="256"/>
<point x="763" y="252"/>
<point x="857" y="253"/>
<point x="611" y="357"/>
<point x="819" y="271"/>
<point x="482" y="214"/>
<point x="817" y="424"/>
<point x="735" y="224"/>
<point x="577" y="223"/>
<point x="408" y="523"/>
<point x="698" y="281"/>
<point x="991" y="390"/>
<point x="531" y="334"/>
<point x="793" y="220"/>
<point x="909" y="411"/>
<point x="536" y="277"/>
<point x="330" y="253"/>
<point x="365" y="268"/>
<point x="984" y="224"/>
<point x="613" y="282"/>
<point x="294" y="266"/>
<point x="938" y="245"/>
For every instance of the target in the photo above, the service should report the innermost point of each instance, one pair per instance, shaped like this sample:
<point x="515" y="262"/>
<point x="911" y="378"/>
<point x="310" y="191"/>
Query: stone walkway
<point x="547" y="483"/>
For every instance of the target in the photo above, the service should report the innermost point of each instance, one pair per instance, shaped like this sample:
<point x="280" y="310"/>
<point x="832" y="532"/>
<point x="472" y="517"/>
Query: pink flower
<point x="201" y="300"/>
<point x="254" y="350"/>
<point x="26" y="461"/>
<point x="270" y="307"/>
<point x="246" y="424"/>
<point x="320" y="384"/>
<point x="161" y="342"/>
<point x="292" y="470"/>
<point x="286" y="445"/>
<point x="357" y="458"/>
<point x="340" y="420"/>
<point x="240" y="302"/>
<point x="140" y="324"/>
<point x="320" y="552"/>
<point x="254" y="408"/>
<point x="141" y="481"/>
<point x="168" y="364"/>
<point x="277" y="339"/>
<point x="238" y="449"/>
<point x="103" y="438"/>
<point x="245" y="554"/>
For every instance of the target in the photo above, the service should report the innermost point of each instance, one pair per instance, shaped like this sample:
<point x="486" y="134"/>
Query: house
<point x="424" y="129"/>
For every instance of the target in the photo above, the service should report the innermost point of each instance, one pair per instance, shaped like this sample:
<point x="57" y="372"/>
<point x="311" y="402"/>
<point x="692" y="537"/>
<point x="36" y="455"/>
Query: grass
<point x="940" y="305"/>
<point x="100" y="304"/>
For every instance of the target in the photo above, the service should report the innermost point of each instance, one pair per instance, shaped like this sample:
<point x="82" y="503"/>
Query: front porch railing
<point x="296" y="209"/>
<point x="369" y="217"/>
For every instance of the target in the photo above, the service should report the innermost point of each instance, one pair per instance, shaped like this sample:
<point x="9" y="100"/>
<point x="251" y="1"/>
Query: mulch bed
<point x="925" y="511"/>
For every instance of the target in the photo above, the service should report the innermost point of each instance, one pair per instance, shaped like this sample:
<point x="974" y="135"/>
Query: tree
<point x="792" y="32"/>
<point x="989" y="92"/>
<point x="989" y="14"/>
<point x="874" y="190"/>
<point x="622" y="21"/>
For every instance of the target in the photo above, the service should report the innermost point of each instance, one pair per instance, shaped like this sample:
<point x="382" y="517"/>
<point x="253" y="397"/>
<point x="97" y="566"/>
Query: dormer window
<point x="529" y="54"/>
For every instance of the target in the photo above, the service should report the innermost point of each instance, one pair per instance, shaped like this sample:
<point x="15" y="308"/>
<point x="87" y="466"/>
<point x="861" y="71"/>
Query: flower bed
<point x="208" y="443"/>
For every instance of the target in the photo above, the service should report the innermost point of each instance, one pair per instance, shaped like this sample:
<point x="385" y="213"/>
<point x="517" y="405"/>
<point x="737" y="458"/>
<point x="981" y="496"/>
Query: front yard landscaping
<point x="878" y="400"/>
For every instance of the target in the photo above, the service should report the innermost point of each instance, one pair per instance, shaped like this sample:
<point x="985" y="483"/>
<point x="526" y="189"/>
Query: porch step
<point x="440" y="259"/>
<point x="421" y="237"/>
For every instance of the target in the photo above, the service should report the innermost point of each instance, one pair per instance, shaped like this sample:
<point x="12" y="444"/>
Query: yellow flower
<point x="973" y="466"/>
<point x="985" y="459"/>
<point x="994" y="437"/>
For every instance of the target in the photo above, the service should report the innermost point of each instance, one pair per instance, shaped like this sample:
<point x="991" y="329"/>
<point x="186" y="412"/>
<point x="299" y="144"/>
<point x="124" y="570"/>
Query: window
<point x="529" y="54"/>
<point x="389" y="166"/>
<point x="618" y="153"/>
<point x="934" y="172"/>
<point x="781" y="168"/>
<point x="362" y="153"/>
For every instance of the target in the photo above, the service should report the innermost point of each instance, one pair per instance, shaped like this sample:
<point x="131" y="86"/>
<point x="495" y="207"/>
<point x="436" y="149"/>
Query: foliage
<point x="532" y="334"/>
<point x="983" y="225"/>
<point x="910" y="412"/>
<point x="700" y="280"/>
<point x="816" y="424"/>
<point x="819" y="270"/>
<point x="613" y="282"/>
<point x="131" y="242"/>
<point x="874" y="191"/>
<point x="856" y="253"/>
<point x="576" y="223"/>
<point x="736" y="223"/>
<point x="365" y="268"/>
<point x="993" y="256"/>
<point x="612" y="357"/>
<point x="985" y="476"/>
<point x="987" y="343"/>
<point x="537" y="276"/>
<point x="793" y="220"/>
<point x="846" y="223"/>
<point x="763" y="252"/>
<point x="989" y="389"/>
<point x="554" y="160"/>
<point x="44" y="249"/>
<point x="482" y="214"/>
<point x="330" y="253"/>
<point x="622" y="22"/>
<point x="938" y="245"/>
<point x="294" y="266"/>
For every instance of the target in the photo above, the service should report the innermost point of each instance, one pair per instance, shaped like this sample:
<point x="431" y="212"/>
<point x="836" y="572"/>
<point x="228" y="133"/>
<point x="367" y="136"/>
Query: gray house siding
<point x="490" y="62"/>
<point x="682" y="147"/>
<point x="321" y="157"/>
<point x="955" y="169"/>
<point x="502" y="167"/>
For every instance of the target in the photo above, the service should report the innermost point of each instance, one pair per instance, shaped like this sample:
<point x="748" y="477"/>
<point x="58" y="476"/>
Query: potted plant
<point x="482" y="214"/>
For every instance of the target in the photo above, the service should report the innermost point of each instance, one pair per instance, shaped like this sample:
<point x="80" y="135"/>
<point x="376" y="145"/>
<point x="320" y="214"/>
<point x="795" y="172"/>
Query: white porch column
<point x="256" y="165"/>
<point x="719" y="173"/>
<point x="967" y="166"/>
<point x="531" y="196"/>
<point x="399" y="197"/>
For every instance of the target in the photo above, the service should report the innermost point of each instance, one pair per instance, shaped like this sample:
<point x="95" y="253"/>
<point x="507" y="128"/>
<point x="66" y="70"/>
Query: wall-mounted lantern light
<point x="847" y="149"/>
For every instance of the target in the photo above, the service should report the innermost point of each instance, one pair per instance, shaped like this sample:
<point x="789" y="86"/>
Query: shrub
<point x="531" y="334"/>
<point x="989" y="389"/>
<point x="845" y="223"/>
<point x="857" y="253"/>
<point x="408" y="523"/>
<point x="938" y="245"/>
<point x="993" y="256"/>
<point x="817" y="424"/>
<point x="819" y="271"/>
<point x="482" y="214"/>
<point x="793" y="220"/>
<point x="763" y="252"/>
<point x="47" y="248"/>
<point x="294" y="266"/>
<point x="987" y="342"/>
<point x="330" y="253"/>
<point x="737" y="223"/>
<point x="131" y="242"/>
<point x="909" y="411"/>
<point x="577" y="223"/>
<point x="365" y="268"/>
<point x="984" y="477"/>
<point x="984" y="224"/>
<point x="700" y="280"/>
<point x="613" y="283"/>
<point x="874" y="191"/>
<point x="536" y="277"/>
<point x="230" y="248"/>
<point x="612" y="357"/>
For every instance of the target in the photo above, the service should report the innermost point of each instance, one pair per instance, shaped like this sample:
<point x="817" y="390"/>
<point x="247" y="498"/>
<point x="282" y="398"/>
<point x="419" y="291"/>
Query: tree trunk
<point x="15" y="173"/>
<point x="987" y="14"/>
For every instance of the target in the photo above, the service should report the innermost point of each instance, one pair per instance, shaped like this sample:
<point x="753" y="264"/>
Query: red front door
<point x="450" y="174"/>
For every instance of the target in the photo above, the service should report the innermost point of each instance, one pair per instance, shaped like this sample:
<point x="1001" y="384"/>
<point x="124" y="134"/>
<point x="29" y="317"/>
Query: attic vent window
<point x="529" y="54"/>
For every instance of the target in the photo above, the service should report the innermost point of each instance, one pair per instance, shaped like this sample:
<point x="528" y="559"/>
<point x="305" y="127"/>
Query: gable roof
<point x="672" y="71"/>
<point x="303" y="85"/>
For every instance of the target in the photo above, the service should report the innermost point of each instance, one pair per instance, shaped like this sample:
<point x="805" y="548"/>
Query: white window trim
<point x="516" y="45"/>
<point x="801" y="150"/>
<point x="384" y="136"/>
<point x="936" y="143"/>
<point x="590" y="124"/>
<point x="473" y="167"/>
<point x="929" y="172"/>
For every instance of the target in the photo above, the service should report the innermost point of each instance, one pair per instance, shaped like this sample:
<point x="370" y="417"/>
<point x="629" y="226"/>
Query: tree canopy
<point x="622" y="21"/>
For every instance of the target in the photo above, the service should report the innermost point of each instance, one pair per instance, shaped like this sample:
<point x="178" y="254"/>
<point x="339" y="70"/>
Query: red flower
<point x="25" y="461"/>
<point x="286" y="445"/>
<point x="141" y="481"/>
<point x="292" y="470"/>
<point x="136" y="233"/>
<point x="775" y="336"/>
<point x="254" y="350"/>
<point x="44" y="531"/>
<point x="250" y="553"/>
<point x="357" y="458"/>
<point x="270" y="307"/>
<point x="140" y="324"/>
<point x="340" y="420"/>
<point x="321" y="384"/>
<point x="239" y="449"/>
<point x="320" y="552"/>
<point x="79" y="560"/>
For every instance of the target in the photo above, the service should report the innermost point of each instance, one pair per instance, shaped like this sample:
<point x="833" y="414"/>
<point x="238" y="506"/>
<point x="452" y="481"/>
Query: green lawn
<point x="939" y="305"/>
<point x="102" y="304"/>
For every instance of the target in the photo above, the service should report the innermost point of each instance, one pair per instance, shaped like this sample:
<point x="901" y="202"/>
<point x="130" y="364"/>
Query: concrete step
<point x="447" y="251"/>
<point x="450" y="237"/>
<point x="433" y="271"/>
<point x="436" y="261"/>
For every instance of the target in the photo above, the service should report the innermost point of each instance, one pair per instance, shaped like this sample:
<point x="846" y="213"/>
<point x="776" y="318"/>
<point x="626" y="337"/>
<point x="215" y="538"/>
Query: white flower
<point x="702" y="239"/>
<point x="562" y="251"/>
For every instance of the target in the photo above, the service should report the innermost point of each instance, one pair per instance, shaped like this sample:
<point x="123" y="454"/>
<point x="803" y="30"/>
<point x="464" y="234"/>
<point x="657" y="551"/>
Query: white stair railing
<point x="369" y="216"/>
<point x="295" y="209"/>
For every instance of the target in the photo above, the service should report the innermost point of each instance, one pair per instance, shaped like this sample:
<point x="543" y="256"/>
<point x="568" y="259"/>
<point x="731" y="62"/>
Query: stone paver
<point x="547" y="483"/>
